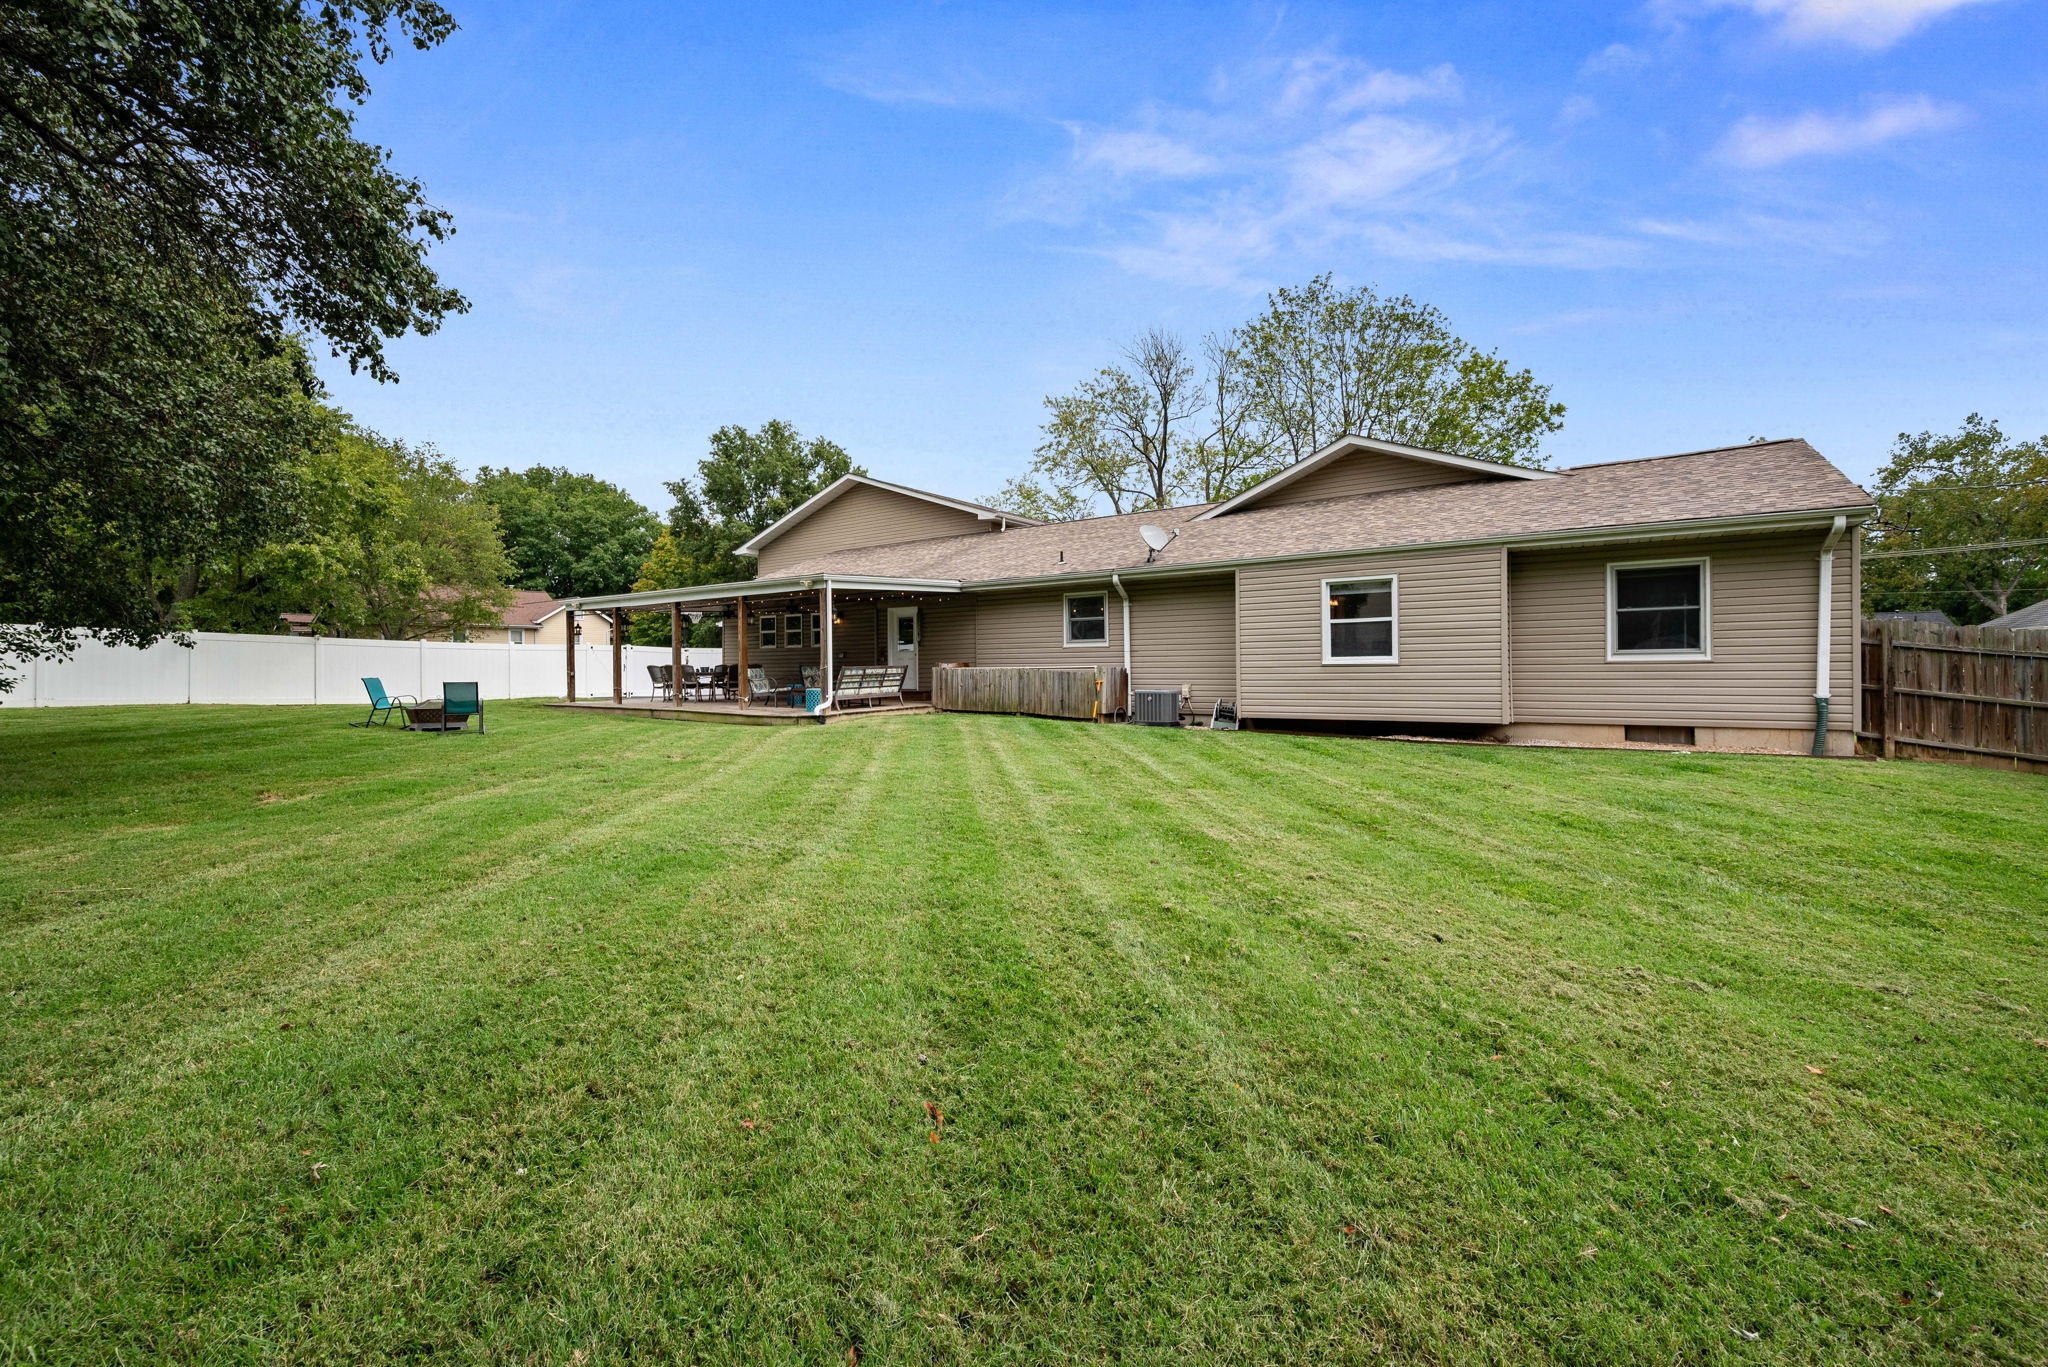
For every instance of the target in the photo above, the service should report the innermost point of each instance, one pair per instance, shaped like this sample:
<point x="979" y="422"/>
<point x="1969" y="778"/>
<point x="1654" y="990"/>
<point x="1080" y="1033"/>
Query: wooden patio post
<point x="825" y="644"/>
<point x="746" y="690"/>
<point x="675" y="652"/>
<point x="569" y="626"/>
<point x="618" y="655"/>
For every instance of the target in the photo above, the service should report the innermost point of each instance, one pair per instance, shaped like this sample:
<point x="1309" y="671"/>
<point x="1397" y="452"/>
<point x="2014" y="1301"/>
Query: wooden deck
<point x="733" y="714"/>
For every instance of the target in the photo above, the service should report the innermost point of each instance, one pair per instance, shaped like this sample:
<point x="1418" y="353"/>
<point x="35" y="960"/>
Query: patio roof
<point x="766" y="588"/>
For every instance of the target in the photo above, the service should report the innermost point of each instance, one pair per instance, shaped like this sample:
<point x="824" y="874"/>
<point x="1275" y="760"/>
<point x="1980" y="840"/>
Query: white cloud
<point x="1292" y="159"/>
<point x="1859" y="23"/>
<point x="1757" y="142"/>
<point x="1613" y="60"/>
<point x="1380" y="156"/>
<point x="1138" y="152"/>
<point x="1341" y="85"/>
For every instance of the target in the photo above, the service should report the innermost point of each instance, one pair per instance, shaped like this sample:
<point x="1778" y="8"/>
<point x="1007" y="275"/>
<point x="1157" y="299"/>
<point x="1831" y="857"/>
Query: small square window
<point x="1658" y="610"/>
<point x="1087" y="619"/>
<point x="1360" y="621"/>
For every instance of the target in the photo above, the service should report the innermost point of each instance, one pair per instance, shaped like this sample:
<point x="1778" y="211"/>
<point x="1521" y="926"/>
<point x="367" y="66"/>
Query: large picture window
<point x="1658" y="610"/>
<point x="1360" y="621"/>
<point x="1087" y="619"/>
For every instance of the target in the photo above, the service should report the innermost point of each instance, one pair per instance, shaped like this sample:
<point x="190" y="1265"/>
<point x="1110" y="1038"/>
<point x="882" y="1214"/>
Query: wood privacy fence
<point x="1965" y="695"/>
<point x="1089" y="693"/>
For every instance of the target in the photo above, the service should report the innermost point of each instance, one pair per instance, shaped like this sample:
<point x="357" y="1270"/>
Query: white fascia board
<point x="1578" y="536"/>
<point x="839" y="486"/>
<point x="760" y="588"/>
<point x="1344" y="446"/>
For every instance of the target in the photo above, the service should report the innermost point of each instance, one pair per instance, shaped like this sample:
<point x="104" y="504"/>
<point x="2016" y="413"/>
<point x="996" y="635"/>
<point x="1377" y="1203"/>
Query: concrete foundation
<point x="1789" y="740"/>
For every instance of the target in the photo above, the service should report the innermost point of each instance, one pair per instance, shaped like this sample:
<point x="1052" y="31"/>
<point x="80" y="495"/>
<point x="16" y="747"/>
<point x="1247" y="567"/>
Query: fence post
<point x="1887" y="699"/>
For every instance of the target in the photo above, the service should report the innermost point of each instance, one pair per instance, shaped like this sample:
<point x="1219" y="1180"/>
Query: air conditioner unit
<point x="1155" y="706"/>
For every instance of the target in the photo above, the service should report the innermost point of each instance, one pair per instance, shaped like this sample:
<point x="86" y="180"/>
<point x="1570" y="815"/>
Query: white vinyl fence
<point x="221" y="667"/>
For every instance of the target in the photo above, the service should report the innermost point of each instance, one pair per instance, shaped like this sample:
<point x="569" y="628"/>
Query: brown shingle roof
<point x="1736" y="481"/>
<point x="528" y="607"/>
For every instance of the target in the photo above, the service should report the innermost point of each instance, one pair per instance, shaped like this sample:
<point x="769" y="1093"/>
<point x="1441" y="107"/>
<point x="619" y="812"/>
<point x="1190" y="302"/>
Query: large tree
<point x="568" y="534"/>
<point x="388" y="541"/>
<point x="748" y="481"/>
<point x="180" y="189"/>
<point x="1319" y="362"/>
<point x="1973" y="487"/>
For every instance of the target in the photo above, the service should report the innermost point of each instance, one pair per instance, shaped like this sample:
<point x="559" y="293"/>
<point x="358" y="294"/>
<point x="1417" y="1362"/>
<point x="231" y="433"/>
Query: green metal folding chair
<point x="461" y="700"/>
<point x="382" y="704"/>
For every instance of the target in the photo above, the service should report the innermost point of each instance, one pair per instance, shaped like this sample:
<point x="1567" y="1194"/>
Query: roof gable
<point x="1351" y="465"/>
<point x="847" y="484"/>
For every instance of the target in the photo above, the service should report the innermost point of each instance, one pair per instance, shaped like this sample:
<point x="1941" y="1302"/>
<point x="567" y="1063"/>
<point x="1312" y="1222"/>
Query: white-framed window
<point x="792" y="629"/>
<point x="516" y="635"/>
<point x="1087" y="619"/>
<point x="817" y="631"/>
<point x="1660" y="609"/>
<point x="769" y="622"/>
<point x="1361" y="620"/>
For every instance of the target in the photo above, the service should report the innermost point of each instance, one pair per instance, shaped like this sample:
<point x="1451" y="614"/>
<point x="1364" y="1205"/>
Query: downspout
<point x="1824" y="636"/>
<point x="1127" y="642"/>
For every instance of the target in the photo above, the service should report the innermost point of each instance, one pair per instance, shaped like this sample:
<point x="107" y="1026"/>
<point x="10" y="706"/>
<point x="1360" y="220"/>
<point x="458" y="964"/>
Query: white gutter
<point x="1576" y="536"/>
<point x="1824" y="636"/>
<point x="1127" y="641"/>
<point x="759" y="588"/>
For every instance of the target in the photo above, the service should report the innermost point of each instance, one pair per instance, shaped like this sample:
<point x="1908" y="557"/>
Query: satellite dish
<point x="1156" y="537"/>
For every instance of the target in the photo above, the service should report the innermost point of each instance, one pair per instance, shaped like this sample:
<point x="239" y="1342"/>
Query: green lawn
<point x="598" y="1040"/>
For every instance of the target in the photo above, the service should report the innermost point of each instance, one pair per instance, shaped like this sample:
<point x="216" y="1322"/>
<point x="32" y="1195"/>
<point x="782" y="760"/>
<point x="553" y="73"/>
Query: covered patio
<point x="795" y="651"/>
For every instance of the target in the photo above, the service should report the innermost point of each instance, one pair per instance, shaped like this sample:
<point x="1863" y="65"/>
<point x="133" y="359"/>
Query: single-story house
<point x="1708" y="597"/>
<point x="537" y="618"/>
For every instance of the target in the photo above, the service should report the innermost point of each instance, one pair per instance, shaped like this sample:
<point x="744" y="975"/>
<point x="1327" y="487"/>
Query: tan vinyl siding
<point x="1184" y="631"/>
<point x="865" y="516"/>
<point x="1026" y="629"/>
<point x="1366" y="472"/>
<point x="1451" y="614"/>
<point x="853" y="642"/>
<point x="946" y="632"/>
<point x="1763" y="596"/>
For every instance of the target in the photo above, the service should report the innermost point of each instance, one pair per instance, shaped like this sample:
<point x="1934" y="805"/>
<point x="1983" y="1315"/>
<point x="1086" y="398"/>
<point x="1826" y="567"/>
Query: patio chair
<point x="725" y="681"/>
<point x="758" y="687"/>
<point x="664" y="686"/>
<point x="461" y="700"/>
<point x="382" y="703"/>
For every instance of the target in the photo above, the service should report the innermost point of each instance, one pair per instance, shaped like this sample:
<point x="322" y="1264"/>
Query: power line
<point x="1943" y="550"/>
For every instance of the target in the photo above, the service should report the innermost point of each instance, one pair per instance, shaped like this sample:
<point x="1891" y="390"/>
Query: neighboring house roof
<point x="2032" y="618"/>
<point x="531" y="607"/>
<point x="1760" y="480"/>
<point x="1937" y="617"/>
<point x="831" y="492"/>
<point x="1346" y="446"/>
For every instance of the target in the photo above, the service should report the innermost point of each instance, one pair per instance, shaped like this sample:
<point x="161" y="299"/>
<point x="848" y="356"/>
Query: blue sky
<point x="901" y="226"/>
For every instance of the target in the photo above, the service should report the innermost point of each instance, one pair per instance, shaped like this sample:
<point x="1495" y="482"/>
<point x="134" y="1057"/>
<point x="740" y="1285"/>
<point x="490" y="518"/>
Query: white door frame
<point x="896" y="652"/>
